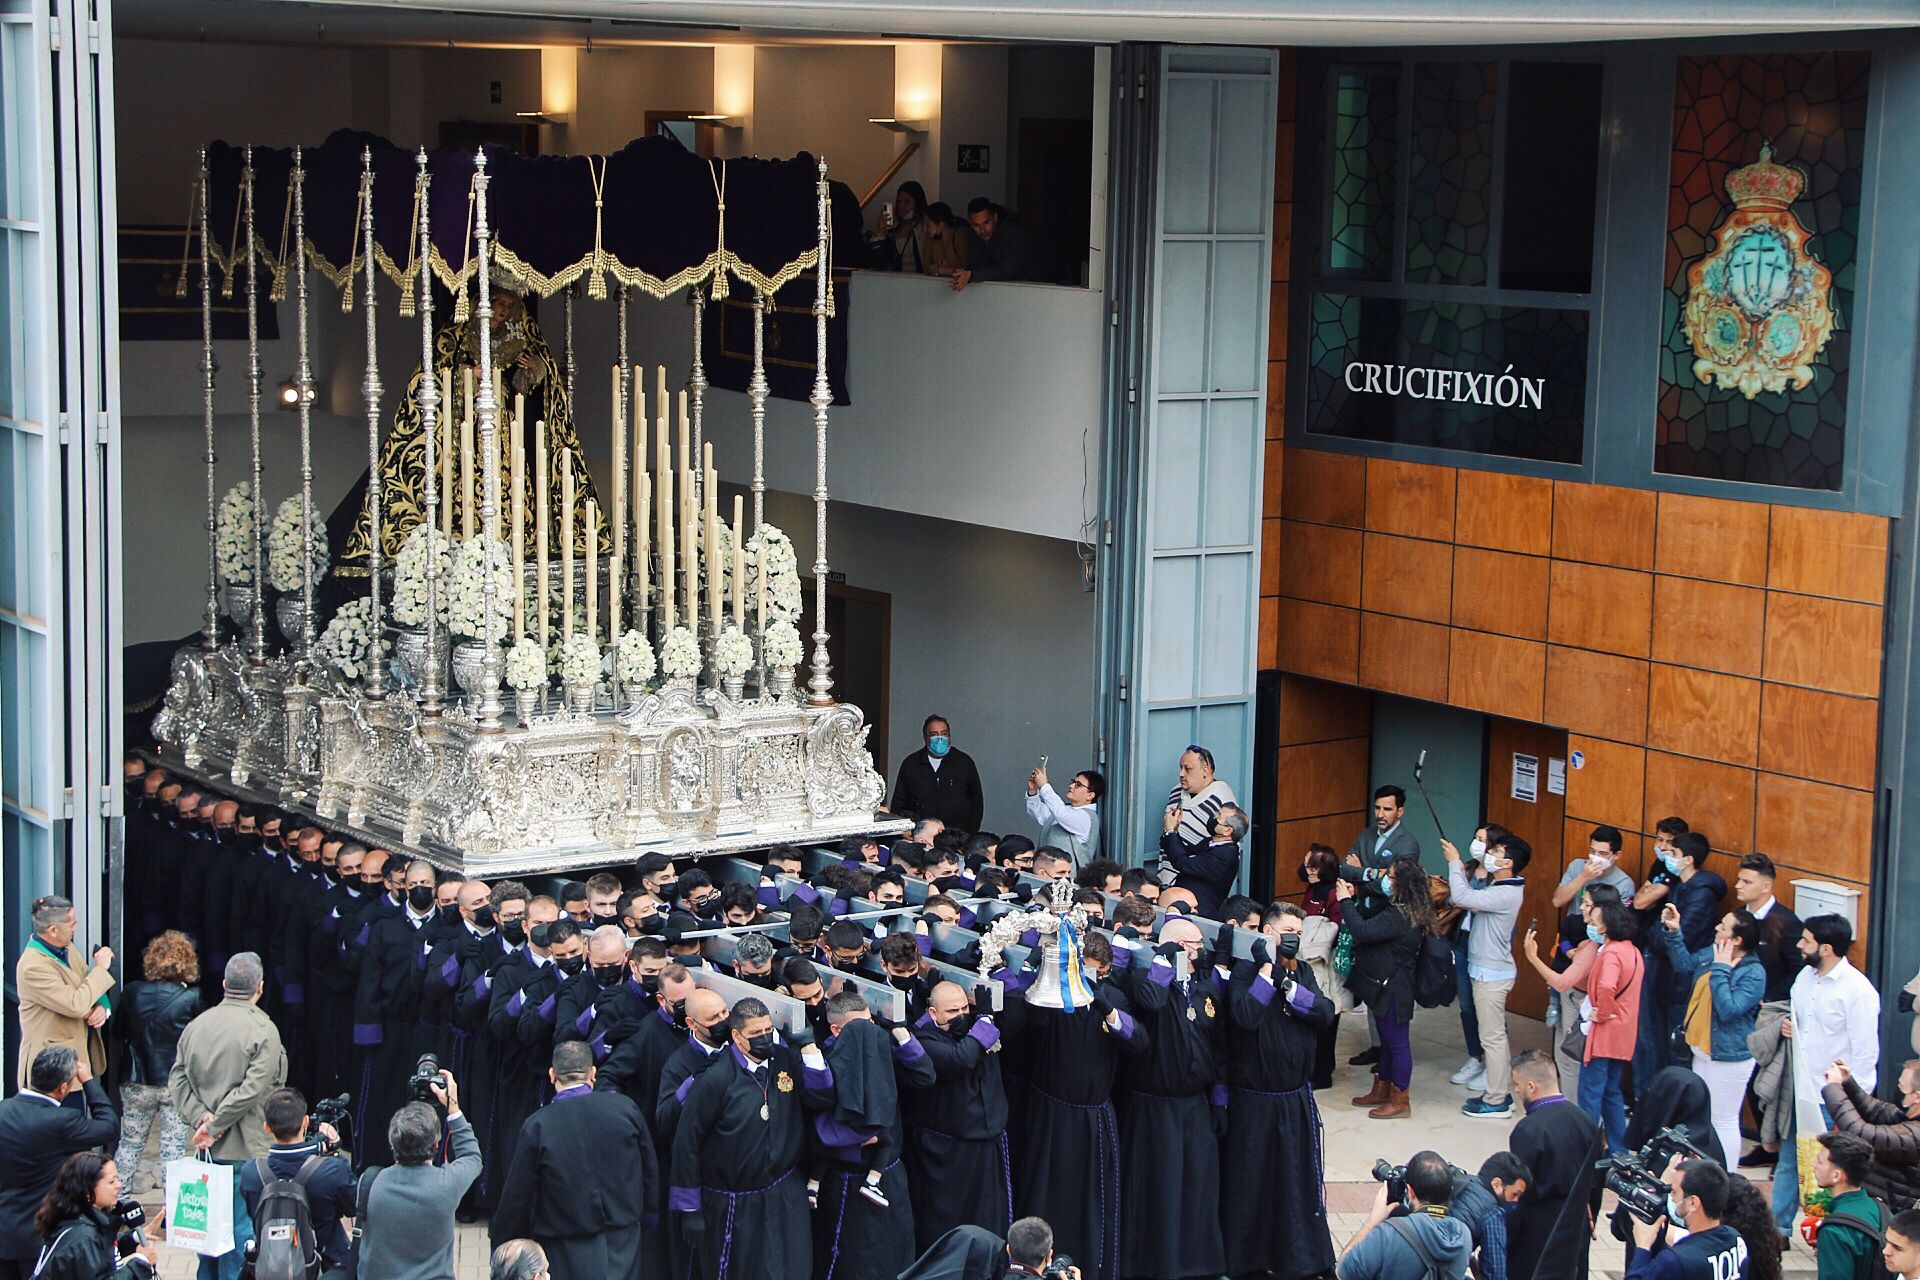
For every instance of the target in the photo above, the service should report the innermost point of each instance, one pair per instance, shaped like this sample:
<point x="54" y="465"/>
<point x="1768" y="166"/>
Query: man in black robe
<point x="1272" y="1214"/>
<point x="1169" y="1154"/>
<point x="738" y="1194"/>
<point x="605" y="1004"/>
<point x="704" y="1015"/>
<point x="1548" y="1231"/>
<point x="540" y="997"/>
<point x="958" y="1162"/>
<point x="329" y="987"/>
<point x="590" y="1215"/>
<point x="381" y="953"/>
<point x="518" y="1083"/>
<point x="634" y="1065"/>
<point x="480" y="965"/>
<point x="865" y="1222"/>
<point x="440" y="1031"/>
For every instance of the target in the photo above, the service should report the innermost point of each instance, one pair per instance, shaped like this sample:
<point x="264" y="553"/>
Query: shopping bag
<point x="200" y="1206"/>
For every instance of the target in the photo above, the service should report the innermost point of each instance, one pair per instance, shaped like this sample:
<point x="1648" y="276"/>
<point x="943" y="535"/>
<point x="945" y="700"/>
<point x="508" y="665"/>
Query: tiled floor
<point x="1353" y="1142"/>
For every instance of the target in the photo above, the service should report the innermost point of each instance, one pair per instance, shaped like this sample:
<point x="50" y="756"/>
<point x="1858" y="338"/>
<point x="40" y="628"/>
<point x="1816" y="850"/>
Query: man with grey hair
<point x="753" y="960"/>
<point x="406" y="1230"/>
<point x="1206" y="868"/>
<point x="518" y="1260"/>
<point x="1030" y="1250"/>
<point x="37" y="1134"/>
<point x="63" y="998"/>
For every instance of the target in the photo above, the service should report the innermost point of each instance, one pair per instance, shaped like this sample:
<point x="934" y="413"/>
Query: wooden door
<point x="1542" y="823"/>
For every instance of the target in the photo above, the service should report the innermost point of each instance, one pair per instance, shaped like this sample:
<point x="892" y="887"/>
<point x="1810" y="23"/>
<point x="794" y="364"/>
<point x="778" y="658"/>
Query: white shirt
<point x="1760" y="912"/>
<point x="1045" y="806"/>
<point x="1835" y="1016"/>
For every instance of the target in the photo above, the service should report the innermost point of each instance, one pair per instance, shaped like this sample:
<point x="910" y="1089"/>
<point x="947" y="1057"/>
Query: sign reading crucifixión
<point x="1504" y="389"/>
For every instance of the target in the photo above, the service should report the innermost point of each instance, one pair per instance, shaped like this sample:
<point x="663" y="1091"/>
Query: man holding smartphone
<point x="1071" y="822"/>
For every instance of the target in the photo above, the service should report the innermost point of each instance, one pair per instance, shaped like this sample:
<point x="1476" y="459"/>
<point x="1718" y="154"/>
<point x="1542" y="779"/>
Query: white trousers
<point x="1727" y="1086"/>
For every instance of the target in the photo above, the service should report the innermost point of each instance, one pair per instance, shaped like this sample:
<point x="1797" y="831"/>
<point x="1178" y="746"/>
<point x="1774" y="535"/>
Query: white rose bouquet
<point x="233" y="534"/>
<point x="680" y="655"/>
<point x="348" y="639"/>
<point x="784" y="600"/>
<point x="410" y="576"/>
<point x="733" y="654"/>
<point x="579" y="660"/>
<point x="283" y="546"/>
<point x="466" y="587"/>
<point x="781" y="644"/>
<point x="526" y="665"/>
<point x="633" y="659"/>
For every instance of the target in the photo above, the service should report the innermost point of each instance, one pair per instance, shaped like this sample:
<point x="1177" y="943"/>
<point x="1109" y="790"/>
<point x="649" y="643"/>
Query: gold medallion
<point x="783" y="1082"/>
<point x="1210" y="1012"/>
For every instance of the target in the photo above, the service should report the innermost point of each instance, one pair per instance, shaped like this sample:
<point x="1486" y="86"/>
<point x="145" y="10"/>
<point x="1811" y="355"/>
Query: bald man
<point x="1178" y="900"/>
<point x="705" y="1036"/>
<point x="599" y="1006"/>
<point x="1169" y="1148"/>
<point x="956" y="1130"/>
<point x="458" y="943"/>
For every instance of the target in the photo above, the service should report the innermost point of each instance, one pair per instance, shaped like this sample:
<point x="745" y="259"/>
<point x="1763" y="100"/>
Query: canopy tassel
<point x="463" y="304"/>
<point x="597" y="277"/>
<point x="413" y="254"/>
<point x="718" y="174"/>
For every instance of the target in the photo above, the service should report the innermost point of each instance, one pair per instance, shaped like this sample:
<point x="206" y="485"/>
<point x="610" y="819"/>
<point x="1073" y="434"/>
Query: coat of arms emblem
<point x="1758" y="306"/>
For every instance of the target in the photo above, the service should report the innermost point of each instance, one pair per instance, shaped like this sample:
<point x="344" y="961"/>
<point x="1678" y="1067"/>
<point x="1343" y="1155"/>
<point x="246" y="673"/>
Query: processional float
<point x="682" y="732"/>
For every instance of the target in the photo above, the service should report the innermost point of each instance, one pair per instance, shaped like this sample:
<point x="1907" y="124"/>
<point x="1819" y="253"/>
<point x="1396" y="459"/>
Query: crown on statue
<point x="1764" y="184"/>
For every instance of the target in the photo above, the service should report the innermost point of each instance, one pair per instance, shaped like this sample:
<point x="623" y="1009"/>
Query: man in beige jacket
<point x="229" y="1060"/>
<point x="63" y="1001"/>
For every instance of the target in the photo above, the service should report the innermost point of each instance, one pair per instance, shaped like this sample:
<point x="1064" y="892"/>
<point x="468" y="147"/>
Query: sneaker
<point x="1759" y="1158"/>
<point x="1483" y="1109"/>
<point x="1365" y="1058"/>
<point x="1468" y="1069"/>
<point x="872" y="1191"/>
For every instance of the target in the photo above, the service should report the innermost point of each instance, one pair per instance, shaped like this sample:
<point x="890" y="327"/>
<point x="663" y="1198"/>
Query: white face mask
<point x="1478" y="849"/>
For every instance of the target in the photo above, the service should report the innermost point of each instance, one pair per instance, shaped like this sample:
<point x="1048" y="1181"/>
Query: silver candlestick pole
<point x="697" y="392"/>
<point x="430" y="690"/>
<point x="259" y="646"/>
<point x="570" y="289"/>
<point x="820" y="684"/>
<point x="370" y="390"/>
<point x="487" y="411"/>
<point x="303" y="388"/>
<point x="757" y="402"/>
<point x="211" y="632"/>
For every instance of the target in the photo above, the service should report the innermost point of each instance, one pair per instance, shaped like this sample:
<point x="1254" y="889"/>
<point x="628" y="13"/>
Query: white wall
<point x="973" y="109"/>
<point x="619" y="86"/>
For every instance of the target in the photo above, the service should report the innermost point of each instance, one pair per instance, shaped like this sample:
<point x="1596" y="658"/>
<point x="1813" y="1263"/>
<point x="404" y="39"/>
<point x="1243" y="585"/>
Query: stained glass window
<point x="1365" y="118"/>
<point x="1450" y="172"/>
<point x="1810" y="109"/>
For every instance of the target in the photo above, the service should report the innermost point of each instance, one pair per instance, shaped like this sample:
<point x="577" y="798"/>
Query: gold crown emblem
<point x="1764" y="184"/>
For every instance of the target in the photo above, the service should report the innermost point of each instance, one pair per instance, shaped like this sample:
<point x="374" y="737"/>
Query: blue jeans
<point x="1469" y="1019"/>
<point x="227" y="1265"/>
<point x="1396" y="1052"/>
<point x="1601" y="1098"/>
<point x="1786" y="1175"/>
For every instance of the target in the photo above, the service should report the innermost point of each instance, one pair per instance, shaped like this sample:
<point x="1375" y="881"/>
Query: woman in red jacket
<point x="1611" y="1015"/>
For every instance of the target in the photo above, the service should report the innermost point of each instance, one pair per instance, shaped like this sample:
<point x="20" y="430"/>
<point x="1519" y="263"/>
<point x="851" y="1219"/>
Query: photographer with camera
<point x="1483" y="1203"/>
<point x="1689" y="1242"/>
<point x="404" y="1214"/>
<point x="90" y="1233"/>
<point x="1423" y="1242"/>
<point x="1030" y="1253"/>
<point x="302" y="1156"/>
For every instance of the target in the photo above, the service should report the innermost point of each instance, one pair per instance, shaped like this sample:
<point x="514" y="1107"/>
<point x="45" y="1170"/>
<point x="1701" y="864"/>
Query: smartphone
<point x="1043" y="764"/>
<point x="1533" y="924"/>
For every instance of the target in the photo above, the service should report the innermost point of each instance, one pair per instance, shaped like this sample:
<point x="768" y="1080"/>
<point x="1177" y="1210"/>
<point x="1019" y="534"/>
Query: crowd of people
<point x="990" y="243"/>
<point x="796" y="1065"/>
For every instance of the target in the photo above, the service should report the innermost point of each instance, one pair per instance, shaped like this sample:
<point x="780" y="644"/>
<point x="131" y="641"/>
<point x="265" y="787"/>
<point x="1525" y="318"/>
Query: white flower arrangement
<point x="410" y="576"/>
<point x="526" y="665"/>
<point x="723" y="535"/>
<point x="733" y="654"/>
<point x="579" y="660"/>
<point x="633" y="659"/>
<point x="680" y="655"/>
<point x="348" y="639"/>
<point x="784" y="600"/>
<point x="283" y="546"/>
<point x="233" y="535"/>
<point x="781" y="644"/>
<point x="466" y="587"/>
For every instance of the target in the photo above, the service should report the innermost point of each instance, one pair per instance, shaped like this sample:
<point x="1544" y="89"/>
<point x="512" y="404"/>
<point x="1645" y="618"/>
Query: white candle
<point x="666" y="575"/>
<point x="688" y="605"/>
<point x="519" y="519"/>
<point x="541" y="520"/>
<point x="686" y="464"/>
<point x="619" y="505"/>
<point x="466" y="457"/>
<point x="593" y="567"/>
<point x="739" y="570"/>
<point x="713" y="559"/>
<point x="643" y="533"/>
<point x="566" y="546"/>
<point x="639" y="463"/>
<point x="446" y="455"/>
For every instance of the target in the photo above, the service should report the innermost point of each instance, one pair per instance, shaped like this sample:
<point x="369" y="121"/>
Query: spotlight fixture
<point x="718" y="120"/>
<point x="892" y="125"/>
<point x="288" y="395"/>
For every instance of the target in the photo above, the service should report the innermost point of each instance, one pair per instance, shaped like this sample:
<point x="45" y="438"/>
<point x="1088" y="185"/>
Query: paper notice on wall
<point x="1556" y="776"/>
<point x="1526" y="778"/>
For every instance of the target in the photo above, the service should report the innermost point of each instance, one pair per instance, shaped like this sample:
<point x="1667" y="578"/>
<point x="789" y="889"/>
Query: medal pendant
<point x="1191" y="1015"/>
<point x="763" y="1111"/>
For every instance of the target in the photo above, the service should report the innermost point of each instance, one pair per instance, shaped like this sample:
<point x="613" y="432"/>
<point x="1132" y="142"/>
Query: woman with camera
<point x="1727" y="982"/>
<point x="1387" y="933"/>
<point x="78" y="1224"/>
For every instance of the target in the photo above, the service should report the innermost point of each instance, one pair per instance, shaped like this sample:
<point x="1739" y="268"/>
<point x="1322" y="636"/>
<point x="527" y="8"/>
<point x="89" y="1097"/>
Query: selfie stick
<point x="1419" y="767"/>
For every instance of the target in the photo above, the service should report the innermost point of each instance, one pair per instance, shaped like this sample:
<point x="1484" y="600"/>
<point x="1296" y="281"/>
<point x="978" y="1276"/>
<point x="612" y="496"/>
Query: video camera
<point x="1636" y="1176"/>
<point x="1395" y="1176"/>
<point x="1058" y="1268"/>
<point x="337" y="1112"/>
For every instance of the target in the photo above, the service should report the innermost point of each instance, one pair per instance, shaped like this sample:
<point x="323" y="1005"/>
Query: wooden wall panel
<point x="1270" y="558"/>
<point x="1318" y="778"/>
<point x="1326" y="488"/>
<point x="1539" y="823"/>
<point x="1317" y="711"/>
<point x="1828" y="644"/>
<point x="1319" y="562"/>
<point x="1399" y="655"/>
<point x="1597" y="693"/>
<point x="1273" y="484"/>
<point x="1703" y="713"/>
<point x="1825" y="736"/>
<point x="1269" y="634"/>
<point x="1709" y="624"/>
<point x="1714" y="538"/>
<point x="1610" y="785"/>
<point x="1504" y="513"/>
<point x="1602" y="524"/>
<point x="1811" y="824"/>
<point x="1407" y="577"/>
<point x="1500" y="592"/>
<point x="1319" y="640"/>
<point x="1828" y="553"/>
<point x="1593" y="607"/>
<point x="1497" y="674"/>
<point x="1409" y="498"/>
<point x="1712" y="797"/>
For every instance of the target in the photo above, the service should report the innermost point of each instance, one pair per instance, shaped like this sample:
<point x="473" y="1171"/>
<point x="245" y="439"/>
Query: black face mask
<point x="483" y="916"/>
<point x="1289" y="946"/>
<point x="712" y="1037"/>
<point x="667" y="892"/>
<point x="908" y="983"/>
<point x="762" y="980"/>
<point x="609" y="976"/>
<point x="420" y="897"/>
<point x="449" y="914"/>
<point x="677" y="1010"/>
<point x="538" y="935"/>
<point x="761" y="1046"/>
<point x="709" y="909"/>
<point x="650" y="983"/>
<point x="961" y="1024"/>
<point x="571" y="965"/>
<point x="514" y="931"/>
<point x="333" y="873"/>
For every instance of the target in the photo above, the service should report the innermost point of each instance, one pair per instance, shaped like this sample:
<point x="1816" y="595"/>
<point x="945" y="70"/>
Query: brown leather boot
<point x="1376" y="1095"/>
<point x="1396" y="1107"/>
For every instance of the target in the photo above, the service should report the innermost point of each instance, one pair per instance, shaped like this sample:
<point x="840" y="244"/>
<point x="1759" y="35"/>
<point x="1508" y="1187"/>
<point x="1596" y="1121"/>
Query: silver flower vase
<point x="780" y="682"/>
<point x="291" y="611"/>
<point x="580" y="697"/>
<point x="526" y="704"/>
<point x="411" y="654"/>
<point x="238" y="599"/>
<point x="468" y="657"/>
<point x="735" y="687"/>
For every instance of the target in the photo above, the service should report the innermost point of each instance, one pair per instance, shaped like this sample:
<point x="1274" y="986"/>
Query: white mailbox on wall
<point x="1823" y="897"/>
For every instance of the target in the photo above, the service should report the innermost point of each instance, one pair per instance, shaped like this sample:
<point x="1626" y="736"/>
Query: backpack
<point x="285" y="1247"/>
<point x="1433" y="981"/>
<point x="362" y="1201"/>
<point x="1874" y="1266"/>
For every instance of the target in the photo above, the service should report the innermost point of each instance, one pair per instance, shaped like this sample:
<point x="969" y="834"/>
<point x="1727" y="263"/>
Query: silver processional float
<point x="683" y="733"/>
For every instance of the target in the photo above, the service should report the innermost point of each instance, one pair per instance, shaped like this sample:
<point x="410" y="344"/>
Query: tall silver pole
<point x="370" y="390"/>
<point x="259" y="655"/>
<point x="757" y="391"/>
<point x="697" y="388"/>
<point x="211" y="632"/>
<point x="430" y="690"/>
<point x="303" y="388"/>
<point x="487" y="410"/>
<point x="820" y="685"/>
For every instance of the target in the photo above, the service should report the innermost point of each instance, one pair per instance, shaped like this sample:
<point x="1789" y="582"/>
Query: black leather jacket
<point x="80" y="1249"/>
<point x="151" y="1016"/>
